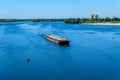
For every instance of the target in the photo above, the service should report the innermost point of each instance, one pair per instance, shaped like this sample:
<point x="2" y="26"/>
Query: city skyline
<point x="58" y="9"/>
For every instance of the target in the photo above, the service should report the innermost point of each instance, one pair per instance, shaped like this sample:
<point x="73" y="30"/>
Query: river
<point x="93" y="54"/>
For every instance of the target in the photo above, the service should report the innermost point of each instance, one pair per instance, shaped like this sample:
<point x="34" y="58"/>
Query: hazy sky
<point x="58" y="8"/>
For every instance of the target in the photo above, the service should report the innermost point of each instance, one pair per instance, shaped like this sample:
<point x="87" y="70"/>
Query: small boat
<point x="57" y="39"/>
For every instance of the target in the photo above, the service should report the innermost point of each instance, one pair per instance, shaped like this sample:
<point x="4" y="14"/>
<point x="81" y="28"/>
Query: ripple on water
<point x="89" y="56"/>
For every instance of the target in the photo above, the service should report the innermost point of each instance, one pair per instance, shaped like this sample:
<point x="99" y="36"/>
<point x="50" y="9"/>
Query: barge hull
<point x="57" y="39"/>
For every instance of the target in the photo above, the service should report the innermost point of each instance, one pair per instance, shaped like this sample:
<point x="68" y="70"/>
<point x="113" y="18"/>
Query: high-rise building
<point x="94" y="16"/>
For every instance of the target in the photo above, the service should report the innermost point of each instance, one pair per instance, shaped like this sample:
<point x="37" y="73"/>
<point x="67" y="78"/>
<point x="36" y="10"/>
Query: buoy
<point x="28" y="60"/>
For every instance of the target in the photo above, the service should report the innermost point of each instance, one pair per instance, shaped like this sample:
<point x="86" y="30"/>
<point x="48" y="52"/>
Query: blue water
<point x="93" y="54"/>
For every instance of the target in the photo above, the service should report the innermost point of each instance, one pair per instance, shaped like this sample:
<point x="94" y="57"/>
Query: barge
<point x="57" y="39"/>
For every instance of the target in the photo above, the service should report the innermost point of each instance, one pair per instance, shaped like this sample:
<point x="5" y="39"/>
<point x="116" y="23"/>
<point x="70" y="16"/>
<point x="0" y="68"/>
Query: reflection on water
<point x="93" y="54"/>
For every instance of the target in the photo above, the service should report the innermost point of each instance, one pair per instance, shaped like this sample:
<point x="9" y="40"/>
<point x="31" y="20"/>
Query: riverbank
<point x="109" y="24"/>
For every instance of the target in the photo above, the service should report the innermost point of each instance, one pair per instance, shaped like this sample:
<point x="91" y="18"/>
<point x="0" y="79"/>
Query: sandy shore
<point x="110" y="24"/>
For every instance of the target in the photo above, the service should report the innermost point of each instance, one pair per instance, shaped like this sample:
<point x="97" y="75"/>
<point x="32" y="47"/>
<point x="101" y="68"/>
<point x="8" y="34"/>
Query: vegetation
<point x="46" y="20"/>
<point x="87" y="20"/>
<point x="32" y="20"/>
<point x="72" y="21"/>
<point x="68" y="21"/>
<point x="10" y="20"/>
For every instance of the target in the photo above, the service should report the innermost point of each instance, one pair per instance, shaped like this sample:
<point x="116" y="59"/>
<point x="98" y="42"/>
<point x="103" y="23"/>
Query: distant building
<point x="94" y="16"/>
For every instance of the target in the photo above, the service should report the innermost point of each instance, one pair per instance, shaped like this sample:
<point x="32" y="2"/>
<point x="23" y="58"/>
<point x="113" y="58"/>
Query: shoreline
<point x="108" y="24"/>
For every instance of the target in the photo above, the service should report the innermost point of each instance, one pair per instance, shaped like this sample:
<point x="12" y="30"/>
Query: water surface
<point x="93" y="54"/>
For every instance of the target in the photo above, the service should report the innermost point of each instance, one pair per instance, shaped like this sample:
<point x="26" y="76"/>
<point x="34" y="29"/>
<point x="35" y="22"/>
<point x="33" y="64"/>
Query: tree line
<point x="67" y="21"/>
<point x="87" y="20"/>
<point x="31" y="20"/>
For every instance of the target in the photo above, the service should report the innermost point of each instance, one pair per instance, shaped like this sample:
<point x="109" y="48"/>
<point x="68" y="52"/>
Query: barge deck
<point x="57" y="39"/>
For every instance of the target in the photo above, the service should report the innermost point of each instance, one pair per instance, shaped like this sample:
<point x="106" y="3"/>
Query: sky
<point x="58" y="8"/>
